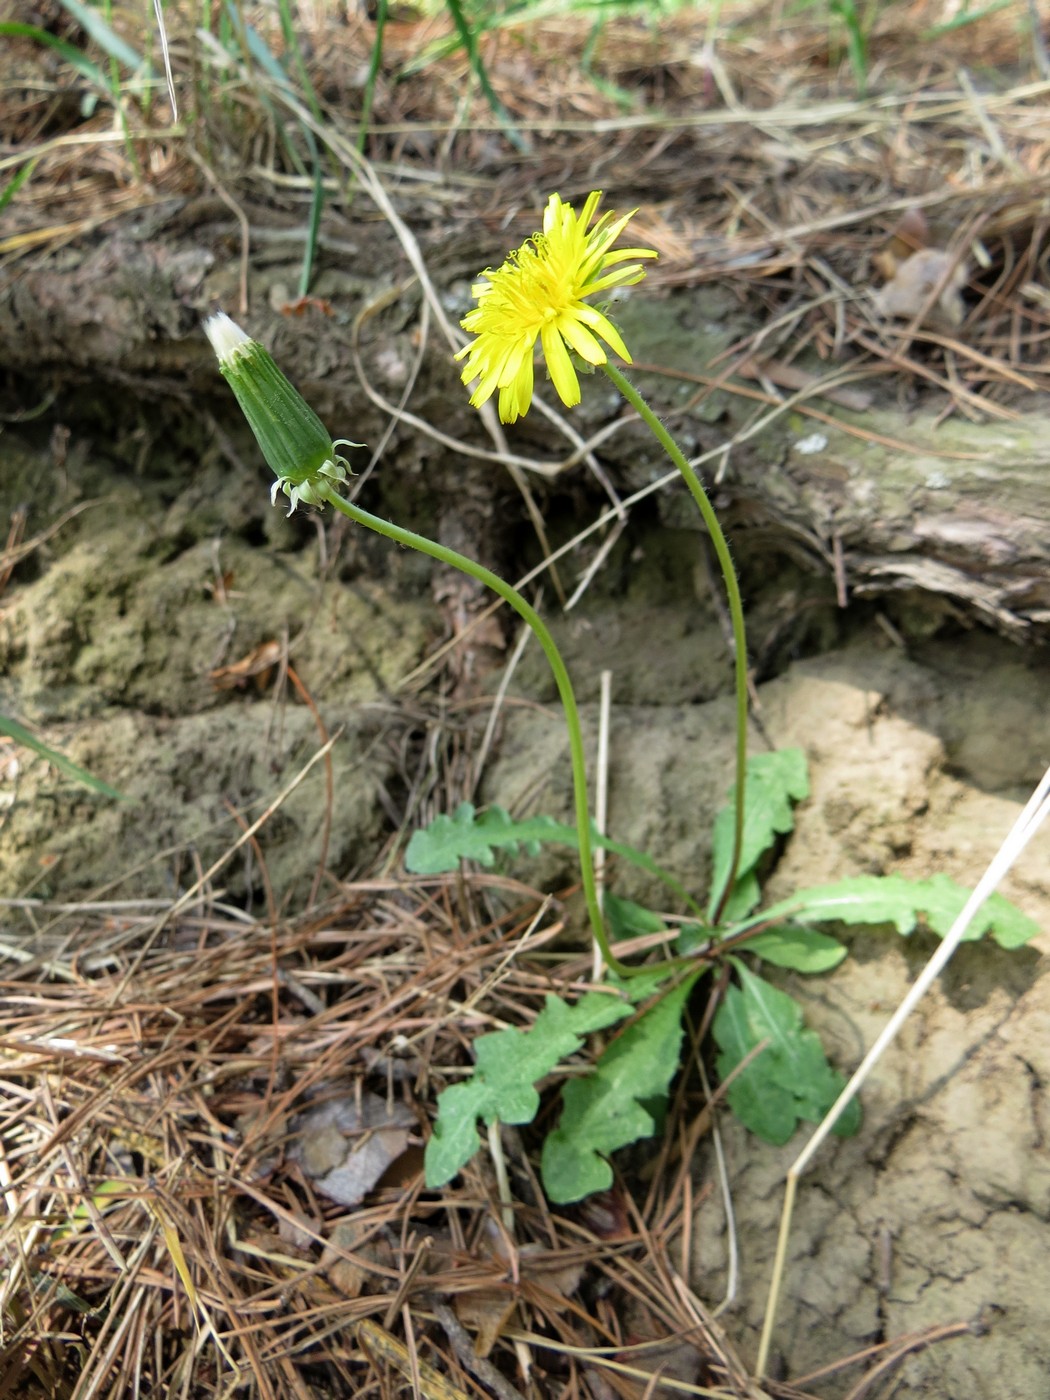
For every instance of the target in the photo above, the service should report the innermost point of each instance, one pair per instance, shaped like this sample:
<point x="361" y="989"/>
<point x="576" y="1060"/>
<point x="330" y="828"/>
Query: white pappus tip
<point x="225" y="335"/>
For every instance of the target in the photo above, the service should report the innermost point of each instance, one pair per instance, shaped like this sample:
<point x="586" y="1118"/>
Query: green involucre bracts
<point x="294" y="441"/>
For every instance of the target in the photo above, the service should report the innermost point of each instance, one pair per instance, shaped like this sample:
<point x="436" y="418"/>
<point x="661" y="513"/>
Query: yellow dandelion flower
<point x="540" y="294"/>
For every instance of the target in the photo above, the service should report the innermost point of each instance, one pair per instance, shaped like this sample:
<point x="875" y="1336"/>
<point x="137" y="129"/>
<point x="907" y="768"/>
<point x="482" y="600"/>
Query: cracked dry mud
<point x="939" y="1211"/>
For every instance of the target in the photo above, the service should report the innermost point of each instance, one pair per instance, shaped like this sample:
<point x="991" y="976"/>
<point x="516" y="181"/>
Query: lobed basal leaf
<point x="614" y="1106"/>
<point x="508" y="1066"/>
<point x="787" y="1081"/>
<point x="893" y="899"/>
<point x="775" y="782"/>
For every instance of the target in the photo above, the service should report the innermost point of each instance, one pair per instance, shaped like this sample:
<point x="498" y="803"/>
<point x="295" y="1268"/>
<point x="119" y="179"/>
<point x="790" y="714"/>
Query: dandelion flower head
<point x="540" y="293"/>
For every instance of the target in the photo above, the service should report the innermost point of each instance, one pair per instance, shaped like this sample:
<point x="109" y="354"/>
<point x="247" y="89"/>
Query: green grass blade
<point x="469" y="41"/>
<point x="856" y="39"/>
<point x="95" y="27"/>
<point x="373" y="74"/>
<point x="258" y="49"/>
<point x="118" y="105"/>
<point x="967" y="17"/>
<point x="312" y="229"/>
<point x="23" y="736"/>
<point x="15" y="184"/>
<point x="254" y="49"/>
<point x="291" y="39"/>
<point x="77" y="60"/>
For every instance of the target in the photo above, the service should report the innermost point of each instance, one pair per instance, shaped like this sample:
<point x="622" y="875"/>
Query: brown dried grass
<point x="159" y="1239"/>
<point x="754" y="164"/>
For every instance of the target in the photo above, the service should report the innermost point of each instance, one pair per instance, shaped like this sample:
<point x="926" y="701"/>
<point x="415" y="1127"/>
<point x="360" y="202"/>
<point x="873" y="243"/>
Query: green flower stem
<point x="531" y="617"/>
<point x="736" y="606"/>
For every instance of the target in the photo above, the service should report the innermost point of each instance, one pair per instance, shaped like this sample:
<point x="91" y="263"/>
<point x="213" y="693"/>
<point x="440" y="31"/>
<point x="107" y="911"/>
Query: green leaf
<point x="615" y="1105"/>
<point x="1009" y="927"/>
<point x="798" y="947"/>
<point x="643" y="983"/>
<point x="892" y="899"/>
<point x="775" y="781"/>
<point x="21" y="735"/>
<point x="438" y="848"/>
<point x="744" y="896"/>
<point x="690" y="937"/>
<point x="790" y="1079"/>
<point x="508" y="1066"/>
<point x="629" y="920"/>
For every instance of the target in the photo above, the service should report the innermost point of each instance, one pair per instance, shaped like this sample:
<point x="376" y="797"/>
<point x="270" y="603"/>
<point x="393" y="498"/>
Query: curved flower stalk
<point x="294" y="441"/>
<point x="539" y="293"/>
<point x="297" y="446"/>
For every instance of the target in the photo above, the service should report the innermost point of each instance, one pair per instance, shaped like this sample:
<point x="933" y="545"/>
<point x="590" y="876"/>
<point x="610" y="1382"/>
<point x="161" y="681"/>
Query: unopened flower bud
<point x="293" y="439"/>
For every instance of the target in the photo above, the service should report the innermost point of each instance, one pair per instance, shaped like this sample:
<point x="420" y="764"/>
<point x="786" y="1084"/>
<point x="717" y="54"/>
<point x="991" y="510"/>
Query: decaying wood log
<point x="956" y="508"/>
<point x="887" y="501"/>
